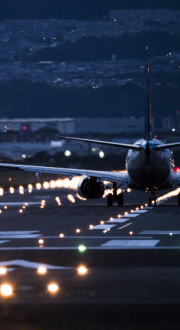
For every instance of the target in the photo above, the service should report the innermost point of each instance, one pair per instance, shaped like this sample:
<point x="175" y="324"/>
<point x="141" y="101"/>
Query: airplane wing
<point x="103" y="175"/>
<point x="112" y="144"/>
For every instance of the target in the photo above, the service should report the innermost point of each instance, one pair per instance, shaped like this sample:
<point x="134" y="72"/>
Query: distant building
<point x="172" y="121"/>
<point x="77" y="126"/>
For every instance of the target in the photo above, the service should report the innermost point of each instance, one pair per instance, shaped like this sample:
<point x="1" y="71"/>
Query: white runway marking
<point x="131" y="215"/>
<point x="102" y="227"/>
<point x="140" y="211"/>
<point x="125" y="225"/>
<point x="117" y="220"/>
<point x="18" y="203"/>
<point x="160" y="232"/>
<point x="133" y="242"/>
<point x="19" y="234"/>
<point x="30" y="264"/>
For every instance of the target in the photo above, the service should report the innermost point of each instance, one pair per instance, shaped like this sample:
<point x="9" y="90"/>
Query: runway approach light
<point x="82" y="248"/>
<point x="78" y="230"/>
<point x="119" y="215"/>
<point x="41" y="241"/>
<point x="61" y="235"/>
<point x="101" y="154"/>
<point x="53" y="287"/>
<point x="132" y="211"/>
<point x="137" y="208"/>
<point x="102" y="222"/>
<point x="20" y="211"/>
<point x="5" y="207"/>
<point x="41" y="270"/>
<point x="82" y="270"/>
<point x="146" y="204"/>
<point x="21" y="190"/>
<point x="11" y="190"/>
<point x="3" y="270"/>
<point x="6" y="290"/>
<point x="45" y="185"/>
<point x="110" y="218"/>
<point x="131" y="233"/>
<point x="38" y="186"/>
<point x="125" y="213"/>
<point x="30" y="187"/>
<point x="91" y="226"/>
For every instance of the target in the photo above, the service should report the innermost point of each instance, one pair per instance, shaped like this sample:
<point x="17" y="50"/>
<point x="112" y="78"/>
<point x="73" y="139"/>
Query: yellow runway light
<point x="6" y="290"/>
<point x="41" y="270"/>
<point x="53" y="287"/>
<point x="3" y="270"/>
<point x="82" y="270"/>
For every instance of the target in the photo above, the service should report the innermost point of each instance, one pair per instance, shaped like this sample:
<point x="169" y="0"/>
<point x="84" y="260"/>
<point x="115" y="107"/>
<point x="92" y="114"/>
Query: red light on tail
<point x="177" y="169"/>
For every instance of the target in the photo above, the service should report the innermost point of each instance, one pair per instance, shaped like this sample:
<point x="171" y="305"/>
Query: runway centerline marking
<point x="160" y="232"/>
<point x="125" y="225"/>
<point x="133" y="243"/>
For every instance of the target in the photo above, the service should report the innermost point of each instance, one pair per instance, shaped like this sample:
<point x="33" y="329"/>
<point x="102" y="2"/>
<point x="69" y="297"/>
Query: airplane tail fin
<point x="148" y="129"/>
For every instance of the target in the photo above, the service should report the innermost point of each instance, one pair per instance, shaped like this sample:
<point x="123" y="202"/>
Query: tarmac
<point x="130" y="255"/>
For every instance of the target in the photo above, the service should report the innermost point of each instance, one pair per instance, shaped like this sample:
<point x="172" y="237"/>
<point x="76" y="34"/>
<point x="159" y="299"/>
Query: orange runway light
<point x="125" y="213"/>
<point x="82" y="270"/>
<point x="6" y="290"/>
<point x="131" y="233"/>
<point x="119" y="215"/>
<point x="3" y="270"/>
<point x="5" y="207"/>
<point x="61" y="235"/>
<point x="20" y="211"/>
<point x="41" y="270"/>
<point x="91" y="226"/>
<point x="53" y="287"/>
<point x="41" y="241"/>
<point x="102" y="222"/>
<point x="110" y="218"/>
<point x="78" y="230"/>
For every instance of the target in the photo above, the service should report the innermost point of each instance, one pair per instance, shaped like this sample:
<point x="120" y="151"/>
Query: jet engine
<point x="90" y="188"/>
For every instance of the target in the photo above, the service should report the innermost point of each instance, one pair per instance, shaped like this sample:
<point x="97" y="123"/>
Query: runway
<point x="130" y="253"/>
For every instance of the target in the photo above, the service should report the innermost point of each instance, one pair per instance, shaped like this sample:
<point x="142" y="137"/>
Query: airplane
<point x="149" y="164"/>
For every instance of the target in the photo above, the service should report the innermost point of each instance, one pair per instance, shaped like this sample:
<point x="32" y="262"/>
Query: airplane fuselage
<point x="150" y="171"/>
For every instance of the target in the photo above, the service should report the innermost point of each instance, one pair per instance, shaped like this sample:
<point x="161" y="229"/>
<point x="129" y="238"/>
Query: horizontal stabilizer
<point x="166" y="146"/>
<point x="112" y="144"/>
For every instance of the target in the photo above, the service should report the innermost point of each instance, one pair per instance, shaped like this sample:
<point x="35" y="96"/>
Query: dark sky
<point x="79" y="9"/>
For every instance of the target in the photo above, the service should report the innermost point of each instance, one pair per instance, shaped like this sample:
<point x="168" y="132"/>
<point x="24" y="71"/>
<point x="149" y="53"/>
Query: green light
<point x="82" y="248"/>
<point x="170" y="234"/>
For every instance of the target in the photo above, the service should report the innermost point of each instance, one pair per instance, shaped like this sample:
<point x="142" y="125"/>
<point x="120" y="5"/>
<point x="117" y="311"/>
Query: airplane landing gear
<point x="114" y="197"/>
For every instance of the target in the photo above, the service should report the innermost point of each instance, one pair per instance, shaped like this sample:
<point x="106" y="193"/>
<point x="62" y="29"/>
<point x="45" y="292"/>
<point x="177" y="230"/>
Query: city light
<point x="101" y="154"/>
<point x="67" y="153"/>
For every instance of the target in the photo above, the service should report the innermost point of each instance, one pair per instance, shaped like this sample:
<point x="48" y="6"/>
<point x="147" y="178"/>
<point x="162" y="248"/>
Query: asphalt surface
<point x="131" y="255"/>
